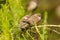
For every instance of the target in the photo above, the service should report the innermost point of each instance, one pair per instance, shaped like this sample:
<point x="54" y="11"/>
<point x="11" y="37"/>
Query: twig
<point x="54" y="31"/>
<point x="49" y="25"/>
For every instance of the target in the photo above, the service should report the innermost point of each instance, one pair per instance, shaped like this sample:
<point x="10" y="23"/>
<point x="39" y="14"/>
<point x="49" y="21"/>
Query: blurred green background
<point x="11" y="11"/>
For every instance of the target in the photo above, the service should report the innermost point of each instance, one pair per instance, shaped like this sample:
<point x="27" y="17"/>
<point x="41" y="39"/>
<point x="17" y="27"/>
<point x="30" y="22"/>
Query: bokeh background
<point x="11" y="12"/>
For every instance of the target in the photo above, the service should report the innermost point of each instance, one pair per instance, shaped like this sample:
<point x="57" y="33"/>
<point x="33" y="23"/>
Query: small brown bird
<point x="34" y="19"/>
<point x="32" y="5"/>
<point x="27" y="20"/>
